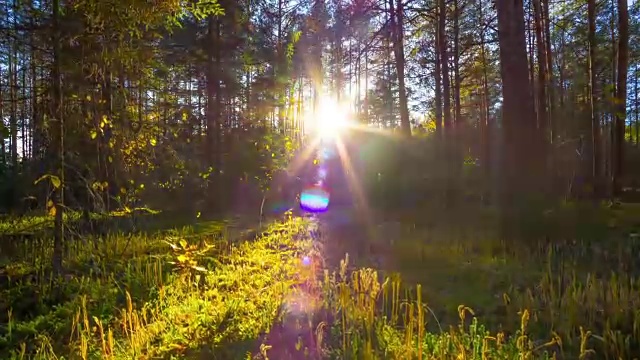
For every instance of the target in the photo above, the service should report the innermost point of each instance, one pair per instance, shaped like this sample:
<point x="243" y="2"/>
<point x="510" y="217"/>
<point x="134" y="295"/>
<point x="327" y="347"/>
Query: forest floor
<point x="226" y="290"/>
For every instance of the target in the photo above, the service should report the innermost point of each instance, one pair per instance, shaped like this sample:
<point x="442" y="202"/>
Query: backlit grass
<point x="198" y="292"/>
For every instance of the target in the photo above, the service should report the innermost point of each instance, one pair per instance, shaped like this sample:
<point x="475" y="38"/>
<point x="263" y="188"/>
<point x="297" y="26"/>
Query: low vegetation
<point x="217" y="290"/>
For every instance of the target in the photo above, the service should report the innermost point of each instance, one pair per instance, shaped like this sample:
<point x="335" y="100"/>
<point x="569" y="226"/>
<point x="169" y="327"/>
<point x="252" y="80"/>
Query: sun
<point x="332" y="119"/>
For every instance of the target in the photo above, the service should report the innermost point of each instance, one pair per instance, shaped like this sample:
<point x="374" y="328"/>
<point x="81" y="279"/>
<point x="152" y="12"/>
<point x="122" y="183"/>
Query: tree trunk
<point x="58" y="142"/>
<point x="594" y="149"/>
<point x="3" y="153"/>
<point x="214" y="104"/>
<point x="550" y="78"/>
<point x="13" y="88"/>
<point x="456" y="66"/>
<point x="485" y="128"/>
<point x="637" y="105"/>
<point x="444" y="62"/>
<point x="518" y="116"/>
<point x="542" y="74"/>
<point x="621" y="95"/>
<point x="438" y="80"/>
<point x="397" y="20"/>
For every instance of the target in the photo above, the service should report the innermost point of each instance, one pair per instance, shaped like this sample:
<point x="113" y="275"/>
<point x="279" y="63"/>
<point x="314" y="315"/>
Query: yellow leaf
<point x="152" y="141"/>
<point x="52" y="211"/>
<point x="94" y="134"/>
<point x="110" y="159"/>
<point x="55" y="181"/>
<point x="183" y="243"/>
<point x="182" y="258"/>
<point x="49" y="203"/>
<point x="88" y="97"/>
<point x="198" y="215"/>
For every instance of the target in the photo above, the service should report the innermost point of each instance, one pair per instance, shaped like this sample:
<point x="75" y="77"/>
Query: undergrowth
<point x="195" y="294"/>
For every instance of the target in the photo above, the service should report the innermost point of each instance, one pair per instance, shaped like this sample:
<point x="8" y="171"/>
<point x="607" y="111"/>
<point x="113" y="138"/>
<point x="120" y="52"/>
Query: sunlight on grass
<point x="195" y="292"/>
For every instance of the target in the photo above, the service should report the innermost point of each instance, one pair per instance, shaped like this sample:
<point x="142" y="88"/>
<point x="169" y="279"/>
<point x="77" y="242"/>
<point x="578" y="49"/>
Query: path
<point x="336" y="232"/>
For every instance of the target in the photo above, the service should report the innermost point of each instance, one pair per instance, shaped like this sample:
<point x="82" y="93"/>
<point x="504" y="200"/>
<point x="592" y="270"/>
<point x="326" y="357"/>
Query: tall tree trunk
<point x="621" y="94"/>
<point x="438" y="79"/>
<point x="13" y="80"/>
<point x="397" y="29"/>
<point x="637" y="105"/>
<point x="214" y="103"/>
<point x="594" y="149"/>
<point x="518" y="116"/>
<point x="457" y="81"/>
<point x="542" y="74"/>
<point x="550" y="77"/>
<point x="530" y="48"/>
<point x="3" y="151"/>
<point x="58" y="142"/>
<point x="485" y="132"/>
<point x="444" y="62"/>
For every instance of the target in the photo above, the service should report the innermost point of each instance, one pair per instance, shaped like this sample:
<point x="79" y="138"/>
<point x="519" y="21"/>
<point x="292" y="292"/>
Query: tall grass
<point x="195" y="294"/>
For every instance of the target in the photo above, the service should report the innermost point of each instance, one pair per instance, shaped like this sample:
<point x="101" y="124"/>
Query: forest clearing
<point x="319" y="179"/>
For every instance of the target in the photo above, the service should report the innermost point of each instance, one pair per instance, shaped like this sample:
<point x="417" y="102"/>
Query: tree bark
<point x="518" y="116"/>
<point x="542" y="74"/>
<point x="594" y="148"/>
<point x="438" y="79"/>
<point x="621" y="94"/>
<point x="397" y="20"/>
<point x="58" y="142"/>
<point x="444" y="62"/>
<point x="550" y="77"/>
<point x="456" y="63"/>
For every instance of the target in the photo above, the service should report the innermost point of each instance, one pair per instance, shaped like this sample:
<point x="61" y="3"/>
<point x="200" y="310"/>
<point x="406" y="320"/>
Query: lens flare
<point x="314" y="199"/>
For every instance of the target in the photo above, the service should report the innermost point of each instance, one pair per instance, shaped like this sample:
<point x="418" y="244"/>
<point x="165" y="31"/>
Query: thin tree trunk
<point x="637" y="105"/>
<point x="530" y="48"/>
<point x="58" y="140"/>
<point x="594" y="149"/>
<point x="444" y="62"/>
<point x="621" y="94"/>
<point x="456" y="65"/>
<point x="550" y="77"/>
<point x="3" y="153"/>
<point x="13" y="81"/>
<point x="542" y="74"/>
<point x="486" y="125"/>
<point x="397" y="20"/>
<point x="438" y="79"/>
<point x="214" y="102"/>
<point x="613" y="92"/>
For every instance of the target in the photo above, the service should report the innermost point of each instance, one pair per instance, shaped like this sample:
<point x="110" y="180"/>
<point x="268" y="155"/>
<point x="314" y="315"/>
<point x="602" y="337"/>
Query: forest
<point x="153" y="155"/>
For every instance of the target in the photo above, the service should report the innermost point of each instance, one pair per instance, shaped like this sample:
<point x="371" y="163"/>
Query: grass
<point x="200" y="292"/>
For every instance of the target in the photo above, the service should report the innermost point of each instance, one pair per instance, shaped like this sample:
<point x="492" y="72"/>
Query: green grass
<point x="199" y="292"/>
